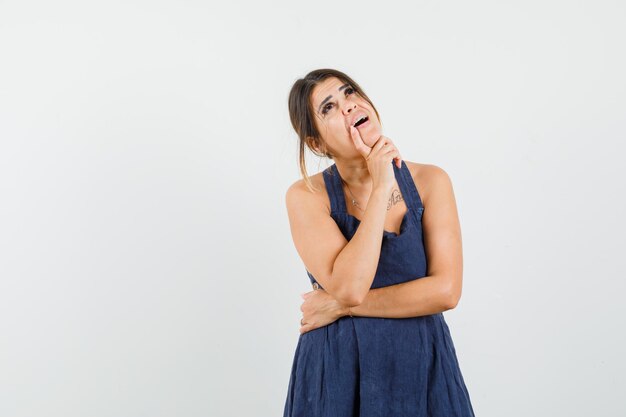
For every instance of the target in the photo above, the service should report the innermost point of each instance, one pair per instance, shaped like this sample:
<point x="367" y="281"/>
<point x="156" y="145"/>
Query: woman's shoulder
<point x="299" y="190"/>
<point x="426" y="177"/>
<point x="421" y="170"/>
<point x="317" y="182"/>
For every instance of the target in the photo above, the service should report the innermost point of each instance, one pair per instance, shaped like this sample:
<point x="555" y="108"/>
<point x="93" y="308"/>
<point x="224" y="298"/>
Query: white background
<point x="146" y="262"/>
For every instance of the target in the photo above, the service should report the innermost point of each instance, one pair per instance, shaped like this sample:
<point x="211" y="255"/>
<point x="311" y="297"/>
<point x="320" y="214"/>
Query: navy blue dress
<point x="374" y="366"/>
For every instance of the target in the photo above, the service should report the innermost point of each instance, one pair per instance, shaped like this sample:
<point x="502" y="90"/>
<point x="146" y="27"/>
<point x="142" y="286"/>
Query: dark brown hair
<point x="302" y="115"/>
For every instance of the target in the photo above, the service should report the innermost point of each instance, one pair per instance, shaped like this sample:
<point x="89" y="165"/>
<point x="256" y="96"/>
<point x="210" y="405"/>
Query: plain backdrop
<point x="146" y="261"/>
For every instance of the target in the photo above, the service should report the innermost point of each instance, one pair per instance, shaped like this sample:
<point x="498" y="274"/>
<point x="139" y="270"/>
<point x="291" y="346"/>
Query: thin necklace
<point x="354" y="202"/>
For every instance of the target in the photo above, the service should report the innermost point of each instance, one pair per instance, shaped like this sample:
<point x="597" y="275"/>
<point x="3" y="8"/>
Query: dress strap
<point x="407" y="186"/>
<point x="334" y="189"/>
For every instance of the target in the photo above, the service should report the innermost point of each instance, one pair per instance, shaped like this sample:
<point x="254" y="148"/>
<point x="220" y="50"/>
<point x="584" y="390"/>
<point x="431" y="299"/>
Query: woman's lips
<point x="364" y="124"/>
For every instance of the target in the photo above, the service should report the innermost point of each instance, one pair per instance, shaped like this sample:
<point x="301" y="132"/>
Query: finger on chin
<point x="358" y="140"/>
<point x="354" y="134"/>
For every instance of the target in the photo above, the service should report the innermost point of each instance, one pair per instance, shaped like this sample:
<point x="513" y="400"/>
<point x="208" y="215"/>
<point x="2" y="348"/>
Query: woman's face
<point x="336" y="106"/>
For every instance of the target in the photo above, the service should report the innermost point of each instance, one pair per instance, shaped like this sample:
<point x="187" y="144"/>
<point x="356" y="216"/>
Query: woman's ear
<point x="316" y="144"/>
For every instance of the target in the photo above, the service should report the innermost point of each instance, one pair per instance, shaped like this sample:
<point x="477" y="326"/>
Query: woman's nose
<point x="349" y="107"/>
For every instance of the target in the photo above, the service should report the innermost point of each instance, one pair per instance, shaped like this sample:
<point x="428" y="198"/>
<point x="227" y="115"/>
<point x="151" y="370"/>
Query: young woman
<point x="373" y="339"/>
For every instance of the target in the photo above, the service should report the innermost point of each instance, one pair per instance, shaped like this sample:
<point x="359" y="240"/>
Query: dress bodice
<point x="402" y="256"/>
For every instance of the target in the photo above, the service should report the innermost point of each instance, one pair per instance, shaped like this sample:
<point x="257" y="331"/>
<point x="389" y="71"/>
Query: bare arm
<point x="414" y="298"/>
<point x="440" y="290"/>
<point x="345" y="269"/>
<point x="356" y="264"/>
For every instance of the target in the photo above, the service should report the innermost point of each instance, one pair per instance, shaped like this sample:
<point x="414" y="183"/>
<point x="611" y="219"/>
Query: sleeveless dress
<point x="374" y="366"/>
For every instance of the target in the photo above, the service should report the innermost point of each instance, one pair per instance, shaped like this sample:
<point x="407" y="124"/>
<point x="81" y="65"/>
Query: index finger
<point x="360" y="146"/>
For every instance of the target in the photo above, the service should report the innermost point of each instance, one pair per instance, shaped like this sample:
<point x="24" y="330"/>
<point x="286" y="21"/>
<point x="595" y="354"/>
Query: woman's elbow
<point x="452" y="297"/>
<point x="348" y="296"/>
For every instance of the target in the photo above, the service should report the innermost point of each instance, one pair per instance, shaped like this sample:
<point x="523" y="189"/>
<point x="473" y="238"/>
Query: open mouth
<point x="361" y="121"/>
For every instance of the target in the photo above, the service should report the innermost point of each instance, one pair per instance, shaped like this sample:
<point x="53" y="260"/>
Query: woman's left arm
<point x="440" y="290"/>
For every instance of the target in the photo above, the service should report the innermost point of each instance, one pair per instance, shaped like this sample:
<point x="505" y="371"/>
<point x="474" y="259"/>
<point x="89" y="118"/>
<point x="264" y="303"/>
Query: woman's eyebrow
<point x="329" y="97"/>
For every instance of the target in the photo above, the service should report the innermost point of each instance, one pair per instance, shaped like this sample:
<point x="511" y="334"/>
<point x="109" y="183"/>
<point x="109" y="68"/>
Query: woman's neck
<point x="354" y="172"/>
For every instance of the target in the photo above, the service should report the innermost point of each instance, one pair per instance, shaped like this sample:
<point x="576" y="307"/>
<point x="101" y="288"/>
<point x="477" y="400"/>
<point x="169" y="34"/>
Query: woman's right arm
<point x="345" y="269"/>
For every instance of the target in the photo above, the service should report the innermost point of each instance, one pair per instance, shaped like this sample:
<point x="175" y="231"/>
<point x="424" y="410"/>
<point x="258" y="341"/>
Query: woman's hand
<point x="378" y="157"/>
<point x="319" y="309"/>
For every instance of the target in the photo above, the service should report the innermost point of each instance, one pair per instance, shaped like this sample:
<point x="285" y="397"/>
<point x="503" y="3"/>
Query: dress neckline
<point x="338" y="198"/>
<point x="403" y="225"/>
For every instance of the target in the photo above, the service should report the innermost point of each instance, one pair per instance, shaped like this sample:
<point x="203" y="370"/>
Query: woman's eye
<point x="349" y="90"/>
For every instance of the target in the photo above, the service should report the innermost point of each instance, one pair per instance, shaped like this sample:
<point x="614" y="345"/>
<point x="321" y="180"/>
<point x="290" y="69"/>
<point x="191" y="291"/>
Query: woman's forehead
<point x="329" y="87"/>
